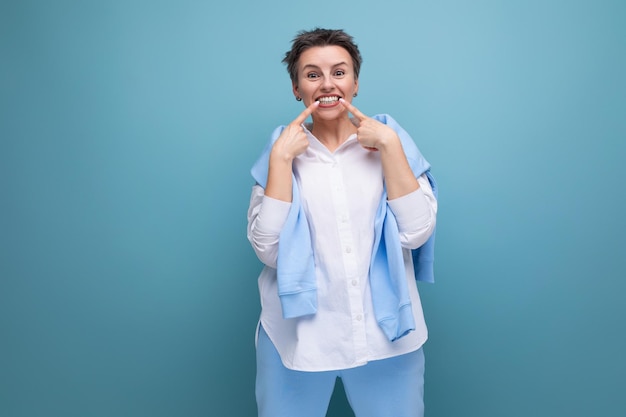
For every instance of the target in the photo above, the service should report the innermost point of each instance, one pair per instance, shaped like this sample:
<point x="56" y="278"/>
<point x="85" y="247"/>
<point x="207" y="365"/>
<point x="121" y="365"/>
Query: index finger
<point x="306" y="113"/>
<point x="356" y="112"/>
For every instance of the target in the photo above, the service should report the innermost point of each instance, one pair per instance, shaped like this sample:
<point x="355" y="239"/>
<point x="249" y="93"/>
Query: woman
<point x="342" y="215"/>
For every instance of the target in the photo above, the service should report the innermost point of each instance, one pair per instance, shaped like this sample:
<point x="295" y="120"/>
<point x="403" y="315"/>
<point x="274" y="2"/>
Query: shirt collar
<point x="319" y="146"/>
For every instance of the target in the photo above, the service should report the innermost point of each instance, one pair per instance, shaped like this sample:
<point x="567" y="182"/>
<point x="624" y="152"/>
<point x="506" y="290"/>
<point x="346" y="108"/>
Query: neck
<point x="332" y="133"/>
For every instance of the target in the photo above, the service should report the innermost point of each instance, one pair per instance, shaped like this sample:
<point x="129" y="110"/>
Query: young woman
<point x="343" y="217"/>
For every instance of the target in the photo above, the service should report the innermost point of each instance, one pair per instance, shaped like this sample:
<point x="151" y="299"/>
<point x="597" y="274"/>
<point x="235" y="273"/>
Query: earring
<point x="355" y="94"/>
<point x="298" y="98"/>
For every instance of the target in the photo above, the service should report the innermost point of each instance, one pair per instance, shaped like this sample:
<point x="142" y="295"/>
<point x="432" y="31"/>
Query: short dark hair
<point x="320" y="37"/>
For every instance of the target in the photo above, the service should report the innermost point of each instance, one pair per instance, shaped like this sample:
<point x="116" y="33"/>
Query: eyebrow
<point x="316" y="67"/>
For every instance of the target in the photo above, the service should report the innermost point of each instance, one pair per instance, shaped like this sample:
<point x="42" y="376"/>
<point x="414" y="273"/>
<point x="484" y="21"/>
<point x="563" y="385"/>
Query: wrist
<point x="280" y="157"/>
<point x="389" y="143"/>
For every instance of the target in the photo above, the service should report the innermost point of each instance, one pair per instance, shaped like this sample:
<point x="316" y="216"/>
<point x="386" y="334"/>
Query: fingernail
<point x="341" y="99"/>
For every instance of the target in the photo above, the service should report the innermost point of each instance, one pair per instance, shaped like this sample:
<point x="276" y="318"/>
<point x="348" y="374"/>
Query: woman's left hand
<point x="371" y="134"/>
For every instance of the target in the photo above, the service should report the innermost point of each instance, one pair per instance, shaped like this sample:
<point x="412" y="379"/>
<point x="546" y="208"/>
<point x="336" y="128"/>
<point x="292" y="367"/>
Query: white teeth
<point x="327" y="100"/>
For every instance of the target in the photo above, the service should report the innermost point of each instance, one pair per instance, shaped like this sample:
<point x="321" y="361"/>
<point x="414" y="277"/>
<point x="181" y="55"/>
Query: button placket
<point x="349" y="257"/>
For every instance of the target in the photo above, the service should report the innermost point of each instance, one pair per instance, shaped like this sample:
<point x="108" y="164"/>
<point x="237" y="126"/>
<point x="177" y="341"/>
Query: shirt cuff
<point x="410" y="210"/>
<point x="272" y="215"/>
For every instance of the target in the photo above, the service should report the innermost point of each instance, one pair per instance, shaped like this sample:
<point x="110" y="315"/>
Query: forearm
<point x="279" y="178"/>
<point x="399" y="178"/>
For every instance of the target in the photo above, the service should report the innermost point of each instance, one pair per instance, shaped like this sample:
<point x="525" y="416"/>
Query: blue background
<point x="127" y="285"/>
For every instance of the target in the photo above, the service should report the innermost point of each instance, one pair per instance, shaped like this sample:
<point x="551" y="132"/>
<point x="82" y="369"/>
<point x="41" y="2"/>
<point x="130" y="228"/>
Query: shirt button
<point x="359" y="317"/>
<point x="348" y="249"/>
<point x="354" y="282"/>
<point x="344" y="218"/>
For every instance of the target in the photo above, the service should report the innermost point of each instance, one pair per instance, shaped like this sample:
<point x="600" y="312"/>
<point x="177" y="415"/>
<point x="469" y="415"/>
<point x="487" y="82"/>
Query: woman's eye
<point x="312" y="75"/>
<point x="340" y="73"/>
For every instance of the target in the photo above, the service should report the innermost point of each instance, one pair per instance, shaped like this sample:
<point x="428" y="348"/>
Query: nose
<point x="327" y="83"/>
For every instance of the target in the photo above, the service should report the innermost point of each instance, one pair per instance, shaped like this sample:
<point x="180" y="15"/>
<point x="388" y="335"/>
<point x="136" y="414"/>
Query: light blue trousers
<point x="391" y="387"/>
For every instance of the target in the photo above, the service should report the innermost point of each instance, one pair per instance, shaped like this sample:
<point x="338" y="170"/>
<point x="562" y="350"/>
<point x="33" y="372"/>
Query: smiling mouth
<point x="328" y="100"/>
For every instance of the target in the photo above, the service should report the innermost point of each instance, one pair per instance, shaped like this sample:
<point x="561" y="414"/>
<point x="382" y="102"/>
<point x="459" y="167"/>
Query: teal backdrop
<point x="127" y="284"/>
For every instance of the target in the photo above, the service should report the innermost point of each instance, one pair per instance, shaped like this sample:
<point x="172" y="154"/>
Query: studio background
<point x="127" y="285"/>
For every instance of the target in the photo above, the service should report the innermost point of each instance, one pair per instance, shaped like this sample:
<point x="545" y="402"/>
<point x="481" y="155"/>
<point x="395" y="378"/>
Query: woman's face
<point x="326" y="74"/>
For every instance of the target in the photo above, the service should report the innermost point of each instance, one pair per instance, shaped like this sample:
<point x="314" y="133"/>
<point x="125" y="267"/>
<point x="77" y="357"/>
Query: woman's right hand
<point x="291" y="143"/>
<point x="292" y="140"/>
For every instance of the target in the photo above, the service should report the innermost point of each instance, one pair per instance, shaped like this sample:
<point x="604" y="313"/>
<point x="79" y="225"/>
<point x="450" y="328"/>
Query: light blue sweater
<point x="297" y="287"/>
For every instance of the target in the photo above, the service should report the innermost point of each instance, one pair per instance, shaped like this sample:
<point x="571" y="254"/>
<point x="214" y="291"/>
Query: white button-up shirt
<point x="340" y="193"/>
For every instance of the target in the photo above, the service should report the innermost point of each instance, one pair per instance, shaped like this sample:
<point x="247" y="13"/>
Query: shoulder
<point x="276" y="132"/>
<point x="385" y="119"/>
<point x="417" y="162"/>
<point x="391" y="122"/>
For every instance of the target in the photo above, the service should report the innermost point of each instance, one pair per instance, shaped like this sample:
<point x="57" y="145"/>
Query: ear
<point x="356" y="86"/>
<point x="294" y="88"/>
